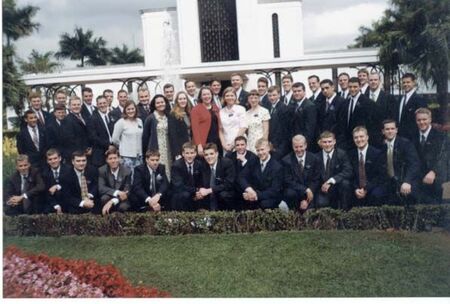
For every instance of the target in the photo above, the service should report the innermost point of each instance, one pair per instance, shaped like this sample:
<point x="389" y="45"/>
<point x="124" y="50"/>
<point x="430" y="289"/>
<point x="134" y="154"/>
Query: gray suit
<point x="107" y="185"/>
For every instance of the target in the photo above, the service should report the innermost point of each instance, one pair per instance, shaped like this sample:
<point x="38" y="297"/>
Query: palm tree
<point x="83" y="46"/>
<point x="124" y="55"/>
<point x="39" y="63"/>
<point x="17" y="22"/>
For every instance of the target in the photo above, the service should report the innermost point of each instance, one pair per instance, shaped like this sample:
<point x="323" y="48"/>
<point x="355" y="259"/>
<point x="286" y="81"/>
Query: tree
<point x="17" y="22"/>
<point x="416" y="34"/>
<point x="84" y="47"/>
<point x="124" y="55"/>
<point x="39" y="63"/>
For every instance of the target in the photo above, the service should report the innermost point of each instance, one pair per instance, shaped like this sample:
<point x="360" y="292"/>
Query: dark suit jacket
<point x="75" y="135"/>
<point x="238" y="167"/>
<point x="268" y="184"/>
<point x="107" y="184"/>
<point x="99" y="138"/>
<point x="304" y="120"/>
<point x="432" y="153"/>
<point x="180" y="179"/>
<point x="300" y="181"/>
<point x="279" y="128"/>
<point x="71" y="190"/>
<point x="328" y="120"/>
<point x="48" y="118"/>
<point x="115" y="115"/>
<point x="178" y="134"/>
<point x="141" y="185"/>
<point x="265" y="102"/>
<point x="406" y="161"/>
<point x="142" y="114"/>
<point x="26" y="146"/>
<point x="34" y="187"/>
<point x="340" y="167"/>
<point x="225" y="175"/>
<point x="407" y="126"/>
<point x="243" y="99"/>
<point x="49" y="180"/>
<point x="85" y="112"/>
<point x="373" y="166"/>
<point x="384" y="107"/>
<point x="319" y="99"/>
<point x="55" y="137"/>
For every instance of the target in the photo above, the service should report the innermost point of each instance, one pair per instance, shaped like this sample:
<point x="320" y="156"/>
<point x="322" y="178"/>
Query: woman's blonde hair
<point x="178" y="111"/>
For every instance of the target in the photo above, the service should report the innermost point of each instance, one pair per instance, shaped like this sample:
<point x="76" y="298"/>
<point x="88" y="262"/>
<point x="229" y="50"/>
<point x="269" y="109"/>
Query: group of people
<point x="208" y="149"/>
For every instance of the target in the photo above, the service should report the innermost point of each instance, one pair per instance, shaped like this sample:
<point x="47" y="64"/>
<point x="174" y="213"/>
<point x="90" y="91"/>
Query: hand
<point x="123" y="195"/>
<point x="178" y="157"/>
<point x="53" y="189"/>
<point x="325" y="187"/>
<point x="200" y="150"/>
<point x="88" y="203"/>
<point x="15" y="200"/>
<point x="58" y="210"/>
<point x="107" y="207"/>
<point x="429" y="178"/>
<point x="240" y="157"/>
<point x="360" y="193"/>
<point x="155" y="206"/>
<point x="304" y="205"/>
<point x="89" y="151"/>
<point x="205" y="192"/>
<point x="309" y="195"/>
<point x="405" y="189"/>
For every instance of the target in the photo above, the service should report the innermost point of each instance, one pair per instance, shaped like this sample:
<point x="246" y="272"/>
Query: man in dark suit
<point x="367" y="170"/>
<point x="263" y="85"/>
<point x="216" y="88"/>
<point x="114" y="184"/>
<point x="117" y="112"/>
<point x="186" y="179"/>
<point x="54" y="130"/>
<point x="25" y="189"/>
<point x="143" y="106"/>
<point x="279" y="124"/>
<point x="53" y="174"/>
<point x="87" y="109"/>
<point x="80" y="186"/>
<point x="237" y="82"/>
<point x="303" y="113"/>
<point x="328" y="108"/>
<point x="32" y="140"/>
<point x="406" y="107"/>
<point x="431" y="146"/>
<point x="363" y="77"/>
<point x="191" y="89"/>
<point x="314" y="85"/>
<point x="150" y="184"/>
<point x="218" y="177"/>
<point x="402" y="166"/>
<point x="100" y="129"/>
<point x="263" y="181"/>
<point x="358" y="110"/>
<point x="343" y="79"/>
<point x="109" y="96"/>
<point x="301" y="175"/>
<point x="286" y="82"/>
<point x="75" y="131"/>
<point x="44" y="117"/>
<point x="335" y="175"/>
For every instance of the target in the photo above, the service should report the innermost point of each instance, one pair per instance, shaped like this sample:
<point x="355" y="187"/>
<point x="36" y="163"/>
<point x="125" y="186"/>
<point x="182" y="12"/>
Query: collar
<point x="262" y="97"/>
<point x="78" y="173"/>
<point x="57" y="169"/>
<point x="330" y="100"/>
<point x="238" y="92"/>
<point x="214" y="166"/>
<point x="409" y="94"/>
<point x="151" y="170"/>
<point x="376" y="92"/>
<point x="392" y="142"/>
<point x="316" y="93"/>
<point x="364" y="87"/>
<point x="265" y="161"/>
<point x="114" y="172"/>
<point x="426" y="133"/>
<point x="363" y="151"/>
<point x="275" y="104"/>
<point x="325" y="154"/>
<point x="355" y="98"/>
<point x="303" y="158"/>
<point x="30" y="129"/>
<point x="189" y="164"/>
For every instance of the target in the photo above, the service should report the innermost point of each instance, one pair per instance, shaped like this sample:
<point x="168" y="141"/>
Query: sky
<point x="328" y="24"/>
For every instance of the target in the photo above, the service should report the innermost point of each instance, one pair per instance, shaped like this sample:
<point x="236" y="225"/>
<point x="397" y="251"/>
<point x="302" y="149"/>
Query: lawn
<point x="276" y="264"/>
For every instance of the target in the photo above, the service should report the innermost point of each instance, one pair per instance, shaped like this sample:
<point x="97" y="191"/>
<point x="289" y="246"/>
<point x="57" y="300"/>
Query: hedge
<point x="413" y="218"/>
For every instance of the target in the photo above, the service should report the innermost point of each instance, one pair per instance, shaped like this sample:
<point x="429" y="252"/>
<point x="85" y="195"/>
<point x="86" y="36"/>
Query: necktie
<point x="56" y="176"/>
<point x="327" y="105"/>
<point x="402" y="107"/>
<point x="107" y="127"/>
<point x="212" y="180"/>
<point x="328" y="167"/>
<point x="422" y="140"/>
<point x="362" y="171"/>
<point x="272" y="110"/>
<point x="23" y="184"/>
<point x="286" y="101"/>
<point x="35" y="138"/>
<point x="153" y="183"/>
<point x="299" y="104"/>
<point x="80" y="118"/>
<point x="41" y="118"/>
<point x="300" y="164"/>
<point x="372" y="96"/>
<point x="84" y="187"/>
<point x="107" y="119"/>
<point x="262" y="167"/>
<point x="191" y="175"/>
<point x="390" y="161"/>
<point x="350" y="111"/>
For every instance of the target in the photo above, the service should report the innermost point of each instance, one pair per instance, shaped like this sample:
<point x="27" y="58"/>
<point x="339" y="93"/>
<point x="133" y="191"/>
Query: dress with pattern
<point x="255" y="118"/>
<point x="163" y="142"/>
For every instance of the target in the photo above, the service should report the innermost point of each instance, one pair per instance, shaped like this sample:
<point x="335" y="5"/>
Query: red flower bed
<point x="28" y="275"/>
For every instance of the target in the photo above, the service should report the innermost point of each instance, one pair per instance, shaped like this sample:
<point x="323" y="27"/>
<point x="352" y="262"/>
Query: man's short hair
<point x="61" y="91"/>
<point x="151" y="153"/>
<point x="239" y="138"/>
<point x="344" y="74"/>
<point x="274" y="88"/>
<point x="107" y="91"/>
<point x="354" y="80"/>
<point x="327" y="134"/>
<point x="21" y="158"/>
<point x="214" y="80"/>
<point x="359" y="129"/>
<point x="167" y="86"/>
<point x="100" y="97"/>
<point x="314" y="76"/>
<point x="52" y="151"/>
<point x="263" y="79"/>
<point x="364" y="71"/>
<point x="86" y="89"/>
<point x="121" y="91"/>
<point x="388" y="121"/>
<point x="423" y="111"/>
<point x="327" y="81"/>
<point x="28" y="112"/>
<point x="74" y="97"/>
<point x="409" y="75"/>
<point x="186" y="82"/>
<point x="299" y="137"/>
<point x="59" y="107"/>
<point x="299" y="85"/>
<point x="237" y="74"/>
<point x="112" y="151"/>
<point x="287" y="76"/>
<point x="262" y="141"/>
<point x="211" y="146"/>
<point x="78" y="153"/>
<point x="189" y="145"/>
<point x="34" y="94"/>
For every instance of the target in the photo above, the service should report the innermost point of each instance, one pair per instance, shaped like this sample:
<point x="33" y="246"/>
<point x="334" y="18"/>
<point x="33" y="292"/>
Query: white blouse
<point x="128" y="136"/>
<point x="232" y="120"/>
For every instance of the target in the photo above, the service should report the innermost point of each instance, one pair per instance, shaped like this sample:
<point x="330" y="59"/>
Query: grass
<point x="277" y="264"/>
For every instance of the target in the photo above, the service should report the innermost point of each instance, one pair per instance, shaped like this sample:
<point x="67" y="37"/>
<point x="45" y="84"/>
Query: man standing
<point x="61" y="98"/>
<point x="263" y="85"/>
<point x="54" y="129"/>
<point x="343" y="79"/>
<point x="36" y="106"/>
<point x="287" y="81"/>
<point x="328" y="108"/>
<point x="216" y="87"/>
<point x="191" y="90"/>
<point x="143" y="106"/>
<point x="303" y="112"/>
<point x="279" y="123"/>
<point x="109" y="95"/>
<point x="314" y="85"/>
<point x="116" y="113"/>
<point x="52" y="175"/>
<point x="237" y="84"/>
<point x="363" y="76"/>
<point x="169" y="91"/>
<point x="32" y="140"/>
<point x="88" y="108"/>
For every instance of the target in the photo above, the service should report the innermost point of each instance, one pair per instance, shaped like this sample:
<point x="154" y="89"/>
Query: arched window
<point x="276" y="36"/>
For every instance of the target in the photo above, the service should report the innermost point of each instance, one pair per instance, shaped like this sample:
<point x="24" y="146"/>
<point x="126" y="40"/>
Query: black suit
<point x="26" y="146"/>
<point x="142" y="113"/>
<point x="222" y="186"/>
<point x="141" y="188"/>
<point x="34" y="189"/>
<point x="339" y="194"/>
<point x="243" y="96"/>
<point x="238" y="165"/>
<point x="279" y="129"/>
<point x="327" y="120"/>
<point x="108" y="185"/>
<point x="265" y="102"/>
<point x="384" y="105"/>
<point x="304" y="120"/>
<point x="374" y="176"/>
<point x="55" y="137"/>
<point x="184" y="186"/>
<point x="407" y="126"/>
<point x="85" y="112"/>
<point x="99" y="137"/>
<point x="432" y="157"/>
<point x="178" y="133"/>
<point x="115" y="114"/>
<point x="71" y="190"/>
<point x="319" y="99"/>
<point x="49" y="179"/>
<point x="297" y="180"/>
<point x="268" y="184"/>
<point x="75" y="135"/>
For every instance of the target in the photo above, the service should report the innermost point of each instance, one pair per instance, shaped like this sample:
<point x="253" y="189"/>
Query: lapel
<point x="295" y="164"/>
<point x="110" y="176"/>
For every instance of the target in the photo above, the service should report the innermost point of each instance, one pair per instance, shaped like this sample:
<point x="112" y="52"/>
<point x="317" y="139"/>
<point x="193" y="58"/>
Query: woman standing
<point x="205" y="121"/>
<point x="232" y="119"/>
<point x="179" y="124"/>
<point x="127" y="136"/>
<point x="257" y="118"/>
<point x="156" y="131"/>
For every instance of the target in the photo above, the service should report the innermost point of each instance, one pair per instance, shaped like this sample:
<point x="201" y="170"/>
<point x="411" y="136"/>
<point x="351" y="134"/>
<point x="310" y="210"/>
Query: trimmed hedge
<point x="414" y="218"/>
